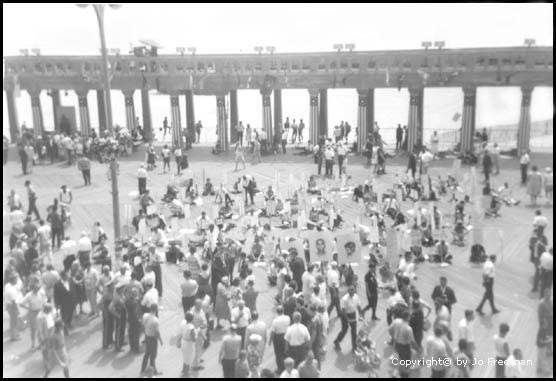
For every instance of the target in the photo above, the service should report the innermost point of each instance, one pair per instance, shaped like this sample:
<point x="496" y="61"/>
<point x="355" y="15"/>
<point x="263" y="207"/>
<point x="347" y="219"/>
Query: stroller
<point x="366" y="356"/>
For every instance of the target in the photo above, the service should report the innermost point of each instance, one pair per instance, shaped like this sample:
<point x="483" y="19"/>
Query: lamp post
<point x="99" y="11"/>
<point x="439" y="45"/>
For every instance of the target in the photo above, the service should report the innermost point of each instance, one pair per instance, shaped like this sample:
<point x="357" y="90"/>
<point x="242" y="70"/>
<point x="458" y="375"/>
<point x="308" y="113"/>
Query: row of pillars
<point x="318" y="116"/>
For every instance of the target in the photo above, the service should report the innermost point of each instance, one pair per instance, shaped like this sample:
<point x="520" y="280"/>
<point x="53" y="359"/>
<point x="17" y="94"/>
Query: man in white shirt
<point x="488" y="284"/>
<point x="426" y="159"/>
<point x="12" y="298"/>
<point x="297" y="339"/>
<point x="142" y="179"/>
<point x="539" y="221"/>
<point x="308" y="282"/>
<point x="151" y="296"/>
<point x="333" y="282"/>
<point x="44" y="232"/>
<point x="341" y="151"/>
<point x="350" y="305"/>
<point x="278" y="330"/>
<point x="546" y="266"/>
<point x="241" y="316"/>
<point x="84" y="248"/>
<point x="465" y="332"/>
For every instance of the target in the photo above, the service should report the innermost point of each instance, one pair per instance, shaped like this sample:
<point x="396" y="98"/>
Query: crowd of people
<point x="220" y="290"/>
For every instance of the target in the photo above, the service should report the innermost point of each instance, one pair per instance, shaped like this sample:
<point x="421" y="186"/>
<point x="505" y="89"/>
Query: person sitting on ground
<point x="459" y="232"/>
<point x="441" y="253"/>
<point x="505" y="194"/>
<point x="269" y="194"/>
<point x="174" y="254"/>
<point x="171" y="193"/>
<point x="236" y="188"/>
<point x="357" y="193"/>
<point x="312" y="187"/>
<point x="208" y="188"/>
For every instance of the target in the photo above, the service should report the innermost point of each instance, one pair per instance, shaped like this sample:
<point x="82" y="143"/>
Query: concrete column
<point x="414" y="129"/>
<point x="147" y="117"/>
<point x="12" y="115"/>
<point x="129" y="109"/>
<point x="420" y="113"/>
<point x="370" y="112"/>
<point x="234" y="116"/>
<point x="524" y="126"/>
<point x="362" y="123"/>
<point x="190" y="117"/>
<point x="323" y="112"/>
<point x="101" y="104"/>
<point x="277" y="111"/>
<point x="267" y="115"/>
<point x="55" y="94"/>
<point x="314" y="116"/>
<point x="176" y="120"/>
<point x="468" y="119"/>
<point x="38" y="124"/>
<point x="84" y="117"/>
<point x="221" y="124"/>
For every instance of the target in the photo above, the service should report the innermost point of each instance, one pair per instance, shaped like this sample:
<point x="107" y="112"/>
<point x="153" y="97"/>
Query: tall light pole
<point x="99" y="11"/>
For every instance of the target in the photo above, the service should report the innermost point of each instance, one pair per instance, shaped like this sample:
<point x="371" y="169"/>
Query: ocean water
<point x="495" y="106"/>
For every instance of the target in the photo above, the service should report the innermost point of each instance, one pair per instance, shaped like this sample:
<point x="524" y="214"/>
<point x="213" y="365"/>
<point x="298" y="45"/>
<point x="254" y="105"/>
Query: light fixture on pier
<point x="36" y="52"/>
<point x="259" y="49"/>
<point x="180" y="50"/>
<point x="338" y="47"/>
<point x="25" y="52"/>
<point x="270" y="49"/>
<point x="529" y="42"/>
<point x="439" y="44"/>
<point x="192" y="50"/>
<point x="426" y="44"/>
<point x="350" y="47"/>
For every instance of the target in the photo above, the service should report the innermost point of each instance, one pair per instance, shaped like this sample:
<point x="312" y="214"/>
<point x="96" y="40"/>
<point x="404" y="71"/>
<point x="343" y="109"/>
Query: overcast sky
<point x="234" y="28"/>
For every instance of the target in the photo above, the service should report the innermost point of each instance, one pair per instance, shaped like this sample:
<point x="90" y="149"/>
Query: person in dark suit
<point x="297" y="266"/>
<point x="371" y="286"/>
<point x="487" y="166"/>
<point x="63" y="300"/>
<point x="445" y="293"/>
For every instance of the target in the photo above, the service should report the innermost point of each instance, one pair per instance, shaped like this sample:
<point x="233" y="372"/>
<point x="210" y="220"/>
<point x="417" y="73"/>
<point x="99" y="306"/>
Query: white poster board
<point x="349" y="248"/>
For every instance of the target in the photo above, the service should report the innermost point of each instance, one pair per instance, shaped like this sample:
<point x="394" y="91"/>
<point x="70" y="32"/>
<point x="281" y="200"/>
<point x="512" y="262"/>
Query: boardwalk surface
<point x="507" y="237"/>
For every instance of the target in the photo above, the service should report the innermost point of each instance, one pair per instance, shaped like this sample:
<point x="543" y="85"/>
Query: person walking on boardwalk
<point x="239" y="155"/>
<point x="488" y="284"/>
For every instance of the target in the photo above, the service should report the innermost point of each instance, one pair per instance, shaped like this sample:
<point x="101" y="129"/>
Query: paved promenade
<point x="506" y="236"/>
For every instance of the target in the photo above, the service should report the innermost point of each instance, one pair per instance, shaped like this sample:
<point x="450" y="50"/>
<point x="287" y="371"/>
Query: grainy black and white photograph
<point x="281" y="190"/>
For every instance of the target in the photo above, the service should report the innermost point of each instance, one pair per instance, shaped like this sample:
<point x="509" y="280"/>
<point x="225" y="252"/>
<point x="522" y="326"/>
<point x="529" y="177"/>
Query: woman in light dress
<point x="221" y="307"/>
<point x="534" y="184"/>
<point x="186" y="341"/>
